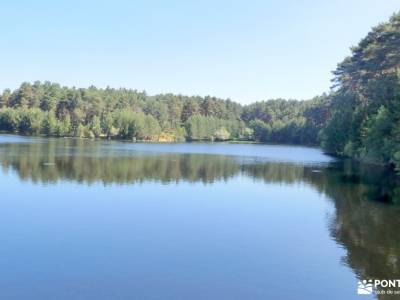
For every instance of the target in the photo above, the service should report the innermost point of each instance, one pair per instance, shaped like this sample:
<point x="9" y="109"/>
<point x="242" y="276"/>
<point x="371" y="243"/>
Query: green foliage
<point x="180" y="134"/>
<point x="150" y="128"/>
<point x="261" y="130"/>
<point x="9" y="119"/>
<point x="80" y="131"/>
<point x="199" y="127"/>
<point x="376" y="56"/>
<point x="365" y="108"/>
<point x="378" y="138"/>
<point x="336" y="133"/>
<point x="281" y="121"/>
<point x="113" y="113"/>
<point x="30" y="121"/>
<point x="5" y="98"/>
<point x="49" y="124"/>
<point x="63" y="127"/>
<point x="108" y="125"/>
<point x="95" y="126"/>
<point x="222" y="134"/>
<point x="248" y="134"/>
<point x="130" y="125"/>
<point x="133" y="115"/>
<point x="360" y="118"/>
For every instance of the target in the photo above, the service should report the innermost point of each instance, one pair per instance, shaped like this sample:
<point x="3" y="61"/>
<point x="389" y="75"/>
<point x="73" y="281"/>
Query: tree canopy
<point x="360" y="117"/>
<point x="364" y="105"/>
<point x="50" y="109"/>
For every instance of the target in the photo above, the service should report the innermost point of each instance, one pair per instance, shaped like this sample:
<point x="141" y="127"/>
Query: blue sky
<point x="243" y="50"/>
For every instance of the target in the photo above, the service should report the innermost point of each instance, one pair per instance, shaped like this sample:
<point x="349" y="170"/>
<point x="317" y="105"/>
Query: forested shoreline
<point x="359" y="118"/>
<point x="364" y="120"/>
<point x="50" y="109"/>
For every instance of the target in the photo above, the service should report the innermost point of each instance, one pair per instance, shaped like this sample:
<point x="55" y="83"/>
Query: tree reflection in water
<point x="367" y="229"/>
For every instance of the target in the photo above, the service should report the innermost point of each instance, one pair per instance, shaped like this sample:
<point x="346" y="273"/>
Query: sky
<point x="243" y="50"/>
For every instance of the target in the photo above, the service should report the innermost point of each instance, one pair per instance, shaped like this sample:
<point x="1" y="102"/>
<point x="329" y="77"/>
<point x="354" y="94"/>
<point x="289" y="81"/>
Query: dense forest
<point x="360" y="117"/>
<point x="50" y="109"/>
<point x="364" y="120"/>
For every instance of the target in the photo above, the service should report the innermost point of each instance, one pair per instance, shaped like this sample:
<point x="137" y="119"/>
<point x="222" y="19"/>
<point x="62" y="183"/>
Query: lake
<point x="84" y="219"/>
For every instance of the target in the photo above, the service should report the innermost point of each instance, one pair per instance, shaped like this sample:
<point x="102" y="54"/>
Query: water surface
<point x="87" y="219"/>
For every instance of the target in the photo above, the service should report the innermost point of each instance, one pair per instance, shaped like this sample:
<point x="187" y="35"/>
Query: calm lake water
<point x="111" y="220"/>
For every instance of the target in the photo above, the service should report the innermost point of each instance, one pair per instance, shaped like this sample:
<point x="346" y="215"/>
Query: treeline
<point x="364" y="118"/>
<point x="360" y="117"/>
<point x="287" y="121"/>
<point x="50" y="109"/>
